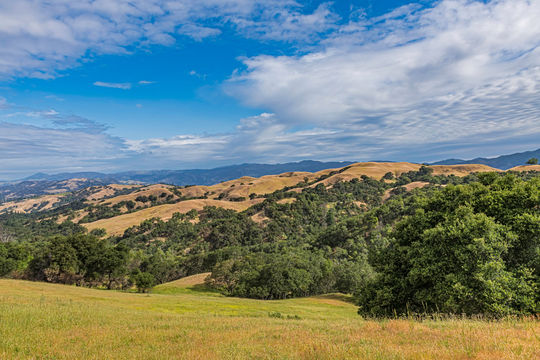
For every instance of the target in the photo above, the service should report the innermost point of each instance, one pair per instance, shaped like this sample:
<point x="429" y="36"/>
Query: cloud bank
<point x="458" y="70"/>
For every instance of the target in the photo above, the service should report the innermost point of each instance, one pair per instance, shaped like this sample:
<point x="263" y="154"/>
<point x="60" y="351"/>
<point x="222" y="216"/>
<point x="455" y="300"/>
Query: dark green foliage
<point x="143" y="281"/>
<point x="532" y="161"/>
<point x="13" y="257"/>
<point x="290" y="273"/>
<point x="81" y="259"/>
<point x="470" y="249"/>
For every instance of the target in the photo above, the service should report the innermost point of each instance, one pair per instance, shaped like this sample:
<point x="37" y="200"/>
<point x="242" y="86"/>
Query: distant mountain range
<point x="40" y="183"/>
<point x="503" y="162"/>
<point x="225" y="173"/>
<point x="195" y="176"/>
<point x="31" y="188"/>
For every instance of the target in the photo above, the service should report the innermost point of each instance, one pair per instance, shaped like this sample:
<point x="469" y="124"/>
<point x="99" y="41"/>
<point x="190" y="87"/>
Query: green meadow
<point x="183" y="320"/>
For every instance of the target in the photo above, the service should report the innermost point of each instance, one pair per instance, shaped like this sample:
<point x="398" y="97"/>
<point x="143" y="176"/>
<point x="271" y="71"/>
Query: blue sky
<point x="114" y="85"/>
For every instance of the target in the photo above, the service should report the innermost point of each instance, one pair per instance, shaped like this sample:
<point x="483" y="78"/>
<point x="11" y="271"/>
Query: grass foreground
<point x="183" y="320"/>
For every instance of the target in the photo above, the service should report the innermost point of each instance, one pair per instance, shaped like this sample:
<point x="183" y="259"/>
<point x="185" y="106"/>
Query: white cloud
<point x="287" y="23"/>
<point x="60" y="143"/>
<point x="123" y="86"/>
<point x="443" y="74"/>
<point x="54" y="97"/>
<point x="40" y="38"/>
<point x="196" y="74"/>
<point x="146" y="82"/>
<point x="197" y="32"/>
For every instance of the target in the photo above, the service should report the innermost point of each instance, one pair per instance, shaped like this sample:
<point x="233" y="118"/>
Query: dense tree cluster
<point x="471" y="249"/>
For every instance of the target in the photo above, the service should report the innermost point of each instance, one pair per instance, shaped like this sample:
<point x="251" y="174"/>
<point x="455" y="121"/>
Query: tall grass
<point x="46" y="321"/>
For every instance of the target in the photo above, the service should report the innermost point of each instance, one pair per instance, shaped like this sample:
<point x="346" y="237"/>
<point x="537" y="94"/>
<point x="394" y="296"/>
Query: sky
<point x="116" y="85"/>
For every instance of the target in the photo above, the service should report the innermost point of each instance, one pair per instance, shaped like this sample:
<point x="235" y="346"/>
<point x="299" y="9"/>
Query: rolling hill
<point x="45" y="184"/>
<point x="132" y="204"/>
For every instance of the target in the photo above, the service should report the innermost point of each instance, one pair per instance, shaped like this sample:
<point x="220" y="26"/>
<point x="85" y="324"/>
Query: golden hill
<point x="41" y="203"/>
<point x="239" y="188"/>
<point x="46" y="202"/>
<point x="118" y="224"/>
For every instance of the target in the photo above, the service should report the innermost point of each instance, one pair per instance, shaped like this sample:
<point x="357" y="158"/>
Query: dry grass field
<point x="525" y="168"/>
<point x="182" y="320"/>
<point x="118" y="224"/>
<point x="44" y="202"/>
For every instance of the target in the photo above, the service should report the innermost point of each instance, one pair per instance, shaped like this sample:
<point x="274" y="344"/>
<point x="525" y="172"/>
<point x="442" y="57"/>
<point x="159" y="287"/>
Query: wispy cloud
<point x="146" y="82"/>
<point x="123" y="86"/>
<point x="42" y="38"/>
<point x="197" y="32"/>
<point x="54" y="97"/>
<point x="196" y="74"/>
<point x="458" y="70"/>
<point x="56" y="142"/>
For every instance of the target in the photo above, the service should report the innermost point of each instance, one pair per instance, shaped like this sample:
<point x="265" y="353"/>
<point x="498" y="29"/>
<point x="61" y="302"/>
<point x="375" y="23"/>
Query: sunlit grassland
<point x="47" y="321"/>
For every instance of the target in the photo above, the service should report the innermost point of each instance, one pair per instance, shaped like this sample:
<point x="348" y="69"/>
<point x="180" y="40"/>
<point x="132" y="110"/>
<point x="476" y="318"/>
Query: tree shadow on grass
<point x="337" y="296"/>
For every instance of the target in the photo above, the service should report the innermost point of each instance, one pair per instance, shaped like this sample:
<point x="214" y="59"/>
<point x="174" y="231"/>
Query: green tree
<point x="144" y="281"/>
<point x="532" y="161"/>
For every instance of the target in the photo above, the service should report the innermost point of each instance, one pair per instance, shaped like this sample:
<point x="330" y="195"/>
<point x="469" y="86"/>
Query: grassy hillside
<point x="182" y="321"/>
<point x="118" y="224"/>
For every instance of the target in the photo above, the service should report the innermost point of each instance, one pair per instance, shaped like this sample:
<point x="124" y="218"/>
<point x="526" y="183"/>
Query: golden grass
<point x="27" y="205"/>
<point x="526" y="168"/>
<point x="118" y="224"/>
<point x="47" y="321"/>
<point x="155" y="190"/>
<point x="286" y="201"/>
<point x="461" y="170"/>
<point x="109" y="190"/>
<point x="192" y="280"/>
<point x="372" y="169"/>
<point x="259" y="217"/>
<point x="246" y="185"/>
